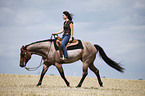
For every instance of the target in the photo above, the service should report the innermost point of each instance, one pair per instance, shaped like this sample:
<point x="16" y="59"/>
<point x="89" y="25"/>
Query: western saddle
<point x="59" y="41"/>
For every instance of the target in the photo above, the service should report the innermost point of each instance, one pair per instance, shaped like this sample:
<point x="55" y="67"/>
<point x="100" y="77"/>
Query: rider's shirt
<point x="66" y="27"/>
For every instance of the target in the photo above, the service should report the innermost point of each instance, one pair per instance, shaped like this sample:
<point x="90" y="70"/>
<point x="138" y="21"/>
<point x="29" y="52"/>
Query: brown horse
<point x="50" y="57"/>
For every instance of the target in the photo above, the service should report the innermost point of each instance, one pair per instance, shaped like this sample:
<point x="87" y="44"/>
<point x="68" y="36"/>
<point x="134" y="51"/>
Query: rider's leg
<point x="64" y="43"/>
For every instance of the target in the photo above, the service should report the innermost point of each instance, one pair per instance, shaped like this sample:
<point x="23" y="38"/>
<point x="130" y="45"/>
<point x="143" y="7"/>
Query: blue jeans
<point x="64" y="43"/>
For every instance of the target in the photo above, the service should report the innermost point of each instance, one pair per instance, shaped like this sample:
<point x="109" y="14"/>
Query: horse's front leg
<point x="60" y="69"/>
<point x="45" y="68"/>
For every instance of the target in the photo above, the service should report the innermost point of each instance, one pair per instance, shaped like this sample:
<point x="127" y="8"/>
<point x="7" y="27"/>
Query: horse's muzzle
<point x="22" y="64"/>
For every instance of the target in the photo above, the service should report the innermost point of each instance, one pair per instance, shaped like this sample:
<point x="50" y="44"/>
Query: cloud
<point x="140" y="4"/>
<point x="6" y="16"/>
<point x="31" y="16"/>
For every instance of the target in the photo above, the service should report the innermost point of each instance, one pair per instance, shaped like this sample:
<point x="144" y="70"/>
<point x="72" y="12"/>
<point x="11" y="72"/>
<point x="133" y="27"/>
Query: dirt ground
<point x="25" y="85"/>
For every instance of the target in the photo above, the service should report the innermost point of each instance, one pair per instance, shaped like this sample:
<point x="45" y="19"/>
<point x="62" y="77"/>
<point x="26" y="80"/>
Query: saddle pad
<point x="78" y="46"/>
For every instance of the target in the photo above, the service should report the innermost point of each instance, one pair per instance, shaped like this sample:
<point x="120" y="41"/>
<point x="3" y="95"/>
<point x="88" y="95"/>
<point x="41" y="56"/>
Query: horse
<point x="50" y="56"/>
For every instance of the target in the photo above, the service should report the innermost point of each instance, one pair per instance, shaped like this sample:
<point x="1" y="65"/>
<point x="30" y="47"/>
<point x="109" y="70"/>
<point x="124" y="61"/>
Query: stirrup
<point x="64" y="59"/>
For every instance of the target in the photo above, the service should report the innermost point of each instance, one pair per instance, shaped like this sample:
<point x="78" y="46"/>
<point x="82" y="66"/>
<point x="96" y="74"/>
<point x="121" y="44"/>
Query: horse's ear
<point x="23" y="47"/>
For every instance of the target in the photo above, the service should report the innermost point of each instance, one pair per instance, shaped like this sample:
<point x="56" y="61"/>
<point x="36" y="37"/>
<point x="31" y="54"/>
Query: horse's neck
<point x="39" y="48"/>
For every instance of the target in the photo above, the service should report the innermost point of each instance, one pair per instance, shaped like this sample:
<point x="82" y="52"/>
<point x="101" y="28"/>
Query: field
<point x="24" y="85"/>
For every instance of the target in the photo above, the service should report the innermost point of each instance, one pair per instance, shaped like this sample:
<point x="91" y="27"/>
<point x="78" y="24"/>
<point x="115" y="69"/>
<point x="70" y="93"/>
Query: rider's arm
<point x="58" y="32"/>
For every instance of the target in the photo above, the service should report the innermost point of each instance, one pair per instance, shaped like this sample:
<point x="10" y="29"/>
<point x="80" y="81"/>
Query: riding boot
<point x="64" y="59"/>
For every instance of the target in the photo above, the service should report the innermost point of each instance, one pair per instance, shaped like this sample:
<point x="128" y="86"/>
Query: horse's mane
<point x="50" y="40"/>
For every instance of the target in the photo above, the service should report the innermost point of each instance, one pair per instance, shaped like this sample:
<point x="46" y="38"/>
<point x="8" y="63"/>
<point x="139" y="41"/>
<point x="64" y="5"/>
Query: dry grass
<point x="24" y="85"/>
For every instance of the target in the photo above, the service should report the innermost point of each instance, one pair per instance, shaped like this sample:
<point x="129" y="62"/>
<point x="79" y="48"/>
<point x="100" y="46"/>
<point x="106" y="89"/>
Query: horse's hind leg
<point x="96" y="71"/>
<point x="45" y="68"/>
<point x="85" y="73"/>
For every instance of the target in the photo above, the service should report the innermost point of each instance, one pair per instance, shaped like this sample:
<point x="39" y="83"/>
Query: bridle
<point x="30" y="69"/>
<point x="35" y="68"/>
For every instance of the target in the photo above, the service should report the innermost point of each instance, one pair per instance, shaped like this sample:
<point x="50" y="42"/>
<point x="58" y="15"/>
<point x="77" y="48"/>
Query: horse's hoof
<point x="38" y="84"/>
<point x="101" y="84"/>
<point x="78" y="86"/>
<point x="68" y="84"/>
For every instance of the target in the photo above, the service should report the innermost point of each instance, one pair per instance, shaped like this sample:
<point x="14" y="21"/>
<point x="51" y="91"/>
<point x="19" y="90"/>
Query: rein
<point x="35" y="68"/>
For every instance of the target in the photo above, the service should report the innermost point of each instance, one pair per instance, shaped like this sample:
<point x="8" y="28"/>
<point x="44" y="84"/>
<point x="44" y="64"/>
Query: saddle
<point x="74" y="44"/>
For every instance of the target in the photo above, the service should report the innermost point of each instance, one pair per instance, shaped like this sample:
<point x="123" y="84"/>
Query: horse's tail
<point x="110" y="62"/>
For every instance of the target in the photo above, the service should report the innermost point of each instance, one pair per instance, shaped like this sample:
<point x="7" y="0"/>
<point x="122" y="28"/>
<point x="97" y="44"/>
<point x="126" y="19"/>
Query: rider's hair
<point x="69" y="15"/>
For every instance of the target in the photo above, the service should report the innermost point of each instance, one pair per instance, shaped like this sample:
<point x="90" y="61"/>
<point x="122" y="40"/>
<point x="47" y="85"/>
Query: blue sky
<point x="116" y="25"/>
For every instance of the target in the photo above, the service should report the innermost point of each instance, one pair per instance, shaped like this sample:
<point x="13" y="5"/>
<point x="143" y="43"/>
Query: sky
<point x="118" y="26"/>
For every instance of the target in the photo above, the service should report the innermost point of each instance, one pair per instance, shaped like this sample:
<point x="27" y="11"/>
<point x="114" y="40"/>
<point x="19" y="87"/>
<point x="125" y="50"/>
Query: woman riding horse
<point x="50" y="56"/>
<point x="67" y="31"/>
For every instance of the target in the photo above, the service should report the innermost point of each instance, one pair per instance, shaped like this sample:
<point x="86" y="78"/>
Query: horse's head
<point x="25" y="56"/>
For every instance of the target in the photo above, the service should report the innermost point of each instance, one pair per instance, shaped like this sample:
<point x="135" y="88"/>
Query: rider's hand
<point x="70" y="39"/>
<point x="54" y="34"/>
